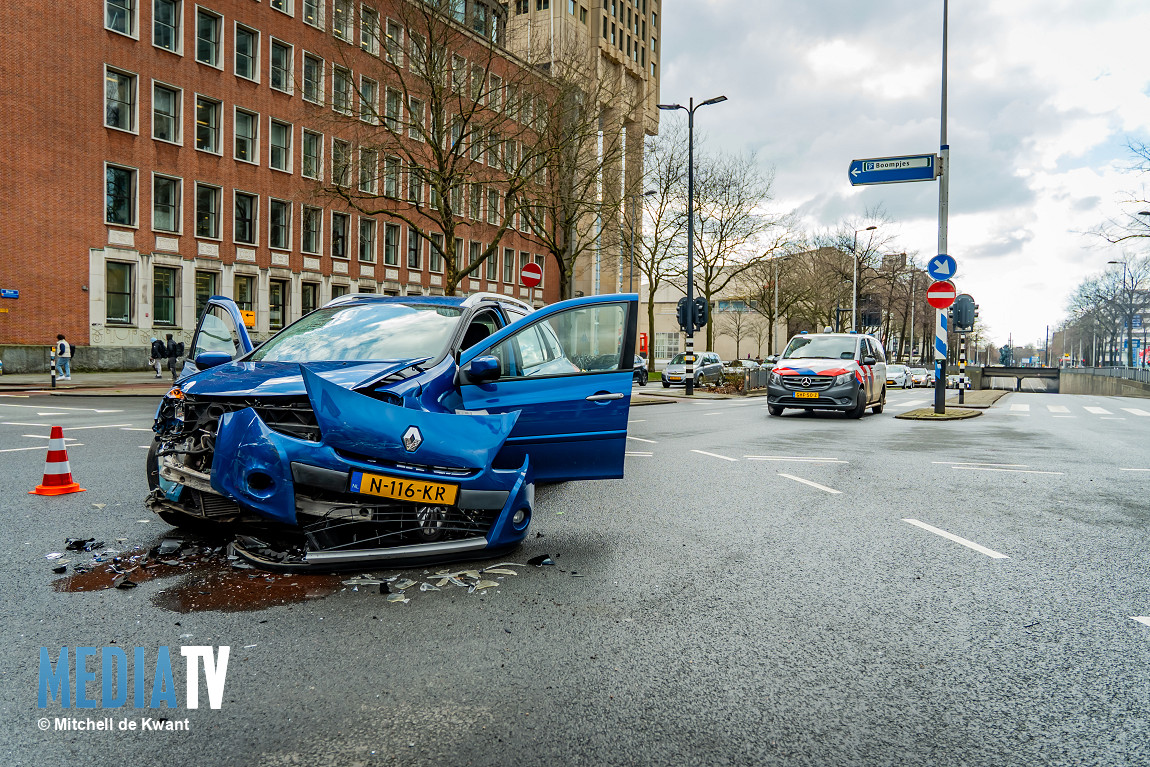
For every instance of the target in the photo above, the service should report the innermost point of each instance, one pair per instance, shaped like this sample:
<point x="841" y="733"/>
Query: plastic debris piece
<point x="122" y="582"/>
<point x="99" y="505"/>
<point x="93" y="545"/>
<point x="121" y="540"/>
<point x="442" y="582"/>
<point x="498" y="571"/>
<point x="508" y="564"/>
<point x="542" y="560"/>
<point x="169" y="546"/>
<point x="485" y="585"/>
<point x="474" y="574"/>
<point x="76" y="544"/>
<point x="457" y="582"/>
<point x="60" y="569"/>
<point x="239" y="565"/>
<point x="397" y="598"/>
<point x="405" y="583"/>
<point x="427" y="587"/>
<point x="54" y="555"/>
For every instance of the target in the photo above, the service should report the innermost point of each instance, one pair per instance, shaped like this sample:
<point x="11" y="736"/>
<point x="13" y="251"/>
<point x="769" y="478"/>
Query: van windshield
<point x="820" y="347"/>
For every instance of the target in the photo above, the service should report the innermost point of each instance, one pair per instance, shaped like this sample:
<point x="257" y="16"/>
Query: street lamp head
<point x="650" y="192"/>
<point x="870" y="228"/>
<point x="1144" y="213"/>
<point x="716" y="100"/>
<point x="670" y="106"/>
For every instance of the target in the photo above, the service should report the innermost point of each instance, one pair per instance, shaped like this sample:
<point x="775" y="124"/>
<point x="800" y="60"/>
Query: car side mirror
<point x="207" y="360"/>
<point x="482" y="369"/>
<point x="869" y="360"/>
<point x="773" y="358"/>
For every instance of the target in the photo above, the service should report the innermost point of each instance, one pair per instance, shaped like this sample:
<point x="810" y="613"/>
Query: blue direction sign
<point x="942" y="267"/>
<point x="7" y="293"/>
<point x="893" y="170"/>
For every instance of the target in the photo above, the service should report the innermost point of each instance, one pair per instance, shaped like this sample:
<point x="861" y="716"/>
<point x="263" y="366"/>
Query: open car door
<point x="220" y="331"/>
<point x="567" y="369"/>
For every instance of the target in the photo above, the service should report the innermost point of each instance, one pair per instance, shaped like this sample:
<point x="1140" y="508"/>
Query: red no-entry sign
<point x="941" y="294"/>
<point x="532" y="275"/>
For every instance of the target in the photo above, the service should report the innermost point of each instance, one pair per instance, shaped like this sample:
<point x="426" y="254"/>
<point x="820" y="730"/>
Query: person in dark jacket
<point x="172" y="352"/>
<point x="156" y="355"/>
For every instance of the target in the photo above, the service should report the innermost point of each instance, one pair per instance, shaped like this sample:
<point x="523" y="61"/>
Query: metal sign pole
<point x="943" y="202"/>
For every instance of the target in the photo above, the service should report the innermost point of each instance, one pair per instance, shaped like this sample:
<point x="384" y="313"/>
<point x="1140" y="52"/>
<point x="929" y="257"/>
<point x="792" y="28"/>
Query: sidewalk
<point x="123" y="383"/>
<point x="658" y="393"/>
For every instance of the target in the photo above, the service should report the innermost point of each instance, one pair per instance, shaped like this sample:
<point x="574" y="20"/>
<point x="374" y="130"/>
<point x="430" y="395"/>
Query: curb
<point x="928" y="414"/>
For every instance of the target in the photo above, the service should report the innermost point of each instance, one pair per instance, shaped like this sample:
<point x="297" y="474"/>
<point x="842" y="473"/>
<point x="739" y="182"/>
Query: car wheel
<point x="774" y="410"/>
<point x="666" y="384"/>
<point x="881" y="403"/>
<point x="699" y="381"/>
<point x="643" y="379"/>
<point x="153" y="465"/>
<point x="860" y="405"/>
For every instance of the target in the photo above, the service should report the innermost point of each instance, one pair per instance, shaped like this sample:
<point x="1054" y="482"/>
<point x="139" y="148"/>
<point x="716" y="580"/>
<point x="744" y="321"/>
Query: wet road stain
<point x="208" y="579"/>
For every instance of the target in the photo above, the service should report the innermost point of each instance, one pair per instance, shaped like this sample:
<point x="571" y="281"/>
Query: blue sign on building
<point x="893" y="170"/>
<point x="8" y="293"/>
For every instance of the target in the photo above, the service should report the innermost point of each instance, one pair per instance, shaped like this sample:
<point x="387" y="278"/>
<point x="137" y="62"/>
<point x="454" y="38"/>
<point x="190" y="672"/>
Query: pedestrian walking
<point x="64" y="357"/>
<point x="156" y="356"/>
<point x="173" y="351"/>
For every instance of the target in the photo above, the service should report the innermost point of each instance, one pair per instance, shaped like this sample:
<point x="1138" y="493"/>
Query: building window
<point x="415" y="119"/>
<point x="340" y="162"/>
<point x="369" y="29"/>
<point x="540" y="261"/>
<point x="391" y="110"/>
<point x="312" y="155"/>
<point x="166" y="24"/>
<point x="338" y="290"/>
<point x="247" y="53"/>
<point x="491" y="266"/>
<point x="492" y="206"/>
<point x="281" y="66"/>
<point x="205" y="289"/>
<point x="245" y="229"/>
<point x="414" y="249"/>
<point x="120" y="100"/>
<point x="391" y="244"/>
<point x="208" y="124"/>
<point x="280" y="141"/>
<point x="279" y="214"/>
<point x="246" y="148"/>
<point x="391" y="177"/>
<point x="244" y="292"/>
<point x="312" y="222"/>
<point x="309" y="297"/>
<point x="312" y="78"/>
<point x="666" y="345"/>
<point x="166" y="113"/>
<point x="341" y="90"/>
<point x="394" y="43"/>
<point x="208" y="27"/>
<point x="120" y="196"/>
<point x="510" y="266"/>
<point x="118" y="292"/>
<point x="339" y="235"/>
<point x="164" y="284"/>
<point x="368" y="171"/>
<point x="415" y="185"/>
<point x="367" y="240"/>
<point x="284" y="6"/>
<point x="277" y="303"/>
<point x="475" y="203"/>
<point x="368" y="107"/>
<point x="495" y="97"/>
<point x="435" y="257"/>
<point x="341" y="20"/>
<point x="207" y="211"/>
<point x="120" y="16"/>
<point x="313" y="13"/>
<point x="165" y="204"/>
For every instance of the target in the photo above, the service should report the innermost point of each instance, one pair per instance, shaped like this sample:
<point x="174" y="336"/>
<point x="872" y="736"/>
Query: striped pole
<point x="52" y="357"/>
<point x="690" y="360"/>
<point x="961" y="367"/>
<point x="940" y="327"/>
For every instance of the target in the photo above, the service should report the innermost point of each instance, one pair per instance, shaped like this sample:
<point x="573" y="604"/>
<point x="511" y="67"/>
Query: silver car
<point x="708" y="368"/>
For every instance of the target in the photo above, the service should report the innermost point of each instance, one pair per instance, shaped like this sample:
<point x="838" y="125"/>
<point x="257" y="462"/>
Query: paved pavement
<point x="800" y="590"/>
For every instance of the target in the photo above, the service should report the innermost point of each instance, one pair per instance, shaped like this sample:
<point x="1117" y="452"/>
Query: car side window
<point x="217" y="333"/>
<point x="586" y="339"/>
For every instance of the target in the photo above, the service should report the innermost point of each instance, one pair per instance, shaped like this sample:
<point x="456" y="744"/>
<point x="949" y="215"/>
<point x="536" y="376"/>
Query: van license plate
<point x="806" y="395"/>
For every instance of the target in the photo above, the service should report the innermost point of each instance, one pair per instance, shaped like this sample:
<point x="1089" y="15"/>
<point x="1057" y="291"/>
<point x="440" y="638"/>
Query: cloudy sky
<point x="1043" y="97"/>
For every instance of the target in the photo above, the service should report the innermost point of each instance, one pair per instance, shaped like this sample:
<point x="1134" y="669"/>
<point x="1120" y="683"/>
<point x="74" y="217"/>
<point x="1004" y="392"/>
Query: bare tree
<point x="738" y="323"/>
<point x="773" y="288"/>
<point x="1134" y="221"/>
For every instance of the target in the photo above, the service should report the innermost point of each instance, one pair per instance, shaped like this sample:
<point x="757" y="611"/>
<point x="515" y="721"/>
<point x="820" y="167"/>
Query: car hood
<point x="285" y="378"/>
<point x="814" y="366"/>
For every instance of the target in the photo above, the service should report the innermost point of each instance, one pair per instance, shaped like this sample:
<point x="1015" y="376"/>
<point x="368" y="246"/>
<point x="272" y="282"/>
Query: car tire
<point x="643" y="379"/>
<point x="774" y="410"/>
<point x="152" y="462"/>
<point x="881" y="403"/>
<point x="666" y="384"/>
<point x="860" y="405"/>
<point x="698" y="380"/>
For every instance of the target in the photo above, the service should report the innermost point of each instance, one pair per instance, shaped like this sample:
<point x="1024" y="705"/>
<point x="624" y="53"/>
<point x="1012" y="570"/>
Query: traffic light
<point x="702" y="312"/>
<point x="699" y="317"/>
<point x="964" y="312"/>
<point x="681" y="313"/>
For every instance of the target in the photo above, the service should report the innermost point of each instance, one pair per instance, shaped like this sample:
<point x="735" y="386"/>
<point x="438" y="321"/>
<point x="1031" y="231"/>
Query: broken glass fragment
<point x="541" y="561"/>
<point x="498" y="571"/>
<point x="403" y="584"/>
<point x="427" y="587"/>
<point x="397" y="598"/>
<point x="169" y="546"/>
<point x="485" y="585"/>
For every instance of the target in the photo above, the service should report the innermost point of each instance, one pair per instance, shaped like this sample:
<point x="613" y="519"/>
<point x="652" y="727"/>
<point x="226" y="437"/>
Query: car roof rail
<point x="476" y="298"/>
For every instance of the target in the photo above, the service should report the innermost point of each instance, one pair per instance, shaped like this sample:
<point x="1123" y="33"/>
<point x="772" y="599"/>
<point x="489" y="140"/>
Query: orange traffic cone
<point x="57" y="472"/>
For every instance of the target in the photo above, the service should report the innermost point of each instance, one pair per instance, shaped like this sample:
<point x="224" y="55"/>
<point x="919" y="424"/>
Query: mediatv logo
<point x="152" y="683"/>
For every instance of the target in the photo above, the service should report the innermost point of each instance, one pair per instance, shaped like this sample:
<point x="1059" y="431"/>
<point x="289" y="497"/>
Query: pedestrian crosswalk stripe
<point x="1058" y="408"/>
<point x="1097" y="410"/>
<point x="1019" y="407"/>
<point x="1135" y="411"/>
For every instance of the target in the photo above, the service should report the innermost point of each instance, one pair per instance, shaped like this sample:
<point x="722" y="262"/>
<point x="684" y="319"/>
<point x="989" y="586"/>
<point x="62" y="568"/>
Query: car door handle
<point x="605" y="397"/>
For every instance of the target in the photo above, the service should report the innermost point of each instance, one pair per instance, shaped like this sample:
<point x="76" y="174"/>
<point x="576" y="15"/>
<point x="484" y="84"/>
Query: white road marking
<point x="45" y="436"/>
<point x="1012" y="471"/>
<point x="640" y="439"/>
<point x="638" y="420"/>
<point x="1020" y="408"/>
<point x="812" y="484"/>
<point x="638" y="455"/>
<point x="952" y="537"/>
<point x="1065" y="416"/>
<point x="799" y="458"/>
<point x="1058" y="408"/>
<point x="1113" y="419"/>
<point x="21" y="423"/>
<point x="1097" y="410"/>
<point x="21" y="396"/>
<point x="132" y="428"/>
<point x="912" y="403"/>
<point x="1135" y="411"/>
<point x="1140" y="619"/>
<point x="967" y="463"/>
<point x="44" y="414"/>
<point x="716" y="455"/>
<point x="712" y="413"/>
<point x="1020" y="415"/>
<point x="102" y="426"/>
<point x="144" y="447"/>
<point x="80" y="409"/>
<point x="38" y="447"/>
<point x="1134" y="470"/>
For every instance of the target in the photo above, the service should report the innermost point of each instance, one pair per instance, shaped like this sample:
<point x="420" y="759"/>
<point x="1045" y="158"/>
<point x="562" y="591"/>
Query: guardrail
<point x="1141" y="375"/>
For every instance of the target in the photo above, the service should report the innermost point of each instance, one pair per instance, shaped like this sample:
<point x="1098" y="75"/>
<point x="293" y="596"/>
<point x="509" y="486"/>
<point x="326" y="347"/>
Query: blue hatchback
<point x="392" y="429"/>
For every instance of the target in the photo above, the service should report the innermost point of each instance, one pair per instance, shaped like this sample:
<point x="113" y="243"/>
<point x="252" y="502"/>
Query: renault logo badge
<point x="412" y="439"/>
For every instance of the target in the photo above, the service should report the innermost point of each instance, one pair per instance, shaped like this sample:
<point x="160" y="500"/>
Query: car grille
<point x="292" y="416"/>
<point x="398" y="525"/>
<point x="812" y="383"/>
<point x="445" y="471"/>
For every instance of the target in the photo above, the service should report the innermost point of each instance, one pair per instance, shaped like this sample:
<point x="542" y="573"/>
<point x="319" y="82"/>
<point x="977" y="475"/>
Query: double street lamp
<point x="1129" y="315"/>
<point x="690" y="110"/>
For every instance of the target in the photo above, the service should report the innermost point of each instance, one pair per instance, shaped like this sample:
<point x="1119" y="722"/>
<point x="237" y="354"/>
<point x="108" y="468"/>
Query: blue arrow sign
<point x="893" y="170"/>
<point x="942" y="267"/>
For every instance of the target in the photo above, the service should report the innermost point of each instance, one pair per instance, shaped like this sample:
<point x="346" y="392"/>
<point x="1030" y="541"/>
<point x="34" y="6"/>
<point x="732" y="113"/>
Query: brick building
<point x="163" y="151"/>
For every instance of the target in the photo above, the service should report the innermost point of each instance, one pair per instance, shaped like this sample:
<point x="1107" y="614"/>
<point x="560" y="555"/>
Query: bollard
<point x="52" y="356"/>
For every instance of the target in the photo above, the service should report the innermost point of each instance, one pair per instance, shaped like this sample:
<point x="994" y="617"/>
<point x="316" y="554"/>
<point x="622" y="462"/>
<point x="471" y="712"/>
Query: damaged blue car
<point x="395" y="430"/>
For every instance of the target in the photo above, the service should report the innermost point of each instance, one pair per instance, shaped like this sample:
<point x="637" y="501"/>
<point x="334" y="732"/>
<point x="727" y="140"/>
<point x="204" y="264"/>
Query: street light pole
<point x="1129" y="315"/>
<point x="690" y="347"/>
<point x="855" y="278"/>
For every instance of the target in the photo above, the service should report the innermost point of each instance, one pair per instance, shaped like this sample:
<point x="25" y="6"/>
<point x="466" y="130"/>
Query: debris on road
<point x="543" y="560"/>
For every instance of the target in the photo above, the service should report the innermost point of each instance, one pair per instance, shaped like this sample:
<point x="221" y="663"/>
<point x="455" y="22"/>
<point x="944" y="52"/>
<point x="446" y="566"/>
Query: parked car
<point x="392" y="429"/>
<point x="708" y="369"/>
<point x="641" y="374"/>
<point x="954" y="381"/>
<point x="899" y="375"/>
<point x="829" y="371"/>
<point x="921" y="377"/>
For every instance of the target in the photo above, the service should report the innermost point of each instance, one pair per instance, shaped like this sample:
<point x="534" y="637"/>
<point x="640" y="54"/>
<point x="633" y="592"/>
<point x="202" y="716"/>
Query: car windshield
<point x="823" y="347"/>
<point x="681" y="359"/>
<point x="368" y="331"/>
<point x="918" y="371"/>
<point x="894" y="369"/>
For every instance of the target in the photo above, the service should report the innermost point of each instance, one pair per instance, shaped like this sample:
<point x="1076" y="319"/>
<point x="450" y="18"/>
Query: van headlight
<point x="776" y="378"/>
<point x="843" y="378"/>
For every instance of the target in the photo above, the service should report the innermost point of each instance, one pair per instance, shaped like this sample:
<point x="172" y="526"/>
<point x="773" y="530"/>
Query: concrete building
<point x="163" y="151"/>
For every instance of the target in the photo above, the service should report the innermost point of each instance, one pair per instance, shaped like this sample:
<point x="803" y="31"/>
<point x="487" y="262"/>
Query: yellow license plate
<point x="675" y="378"/>
<point x="807" y="395"/>
<point x="400" y="489"/>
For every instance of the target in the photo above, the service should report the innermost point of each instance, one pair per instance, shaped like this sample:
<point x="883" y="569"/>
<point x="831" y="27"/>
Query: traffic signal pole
<point x="940" y="336"/>
<point x="690" y="355"/>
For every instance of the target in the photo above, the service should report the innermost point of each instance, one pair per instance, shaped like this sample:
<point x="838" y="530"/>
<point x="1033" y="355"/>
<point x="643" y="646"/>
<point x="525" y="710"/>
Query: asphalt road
<point x="751" y="593"/>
